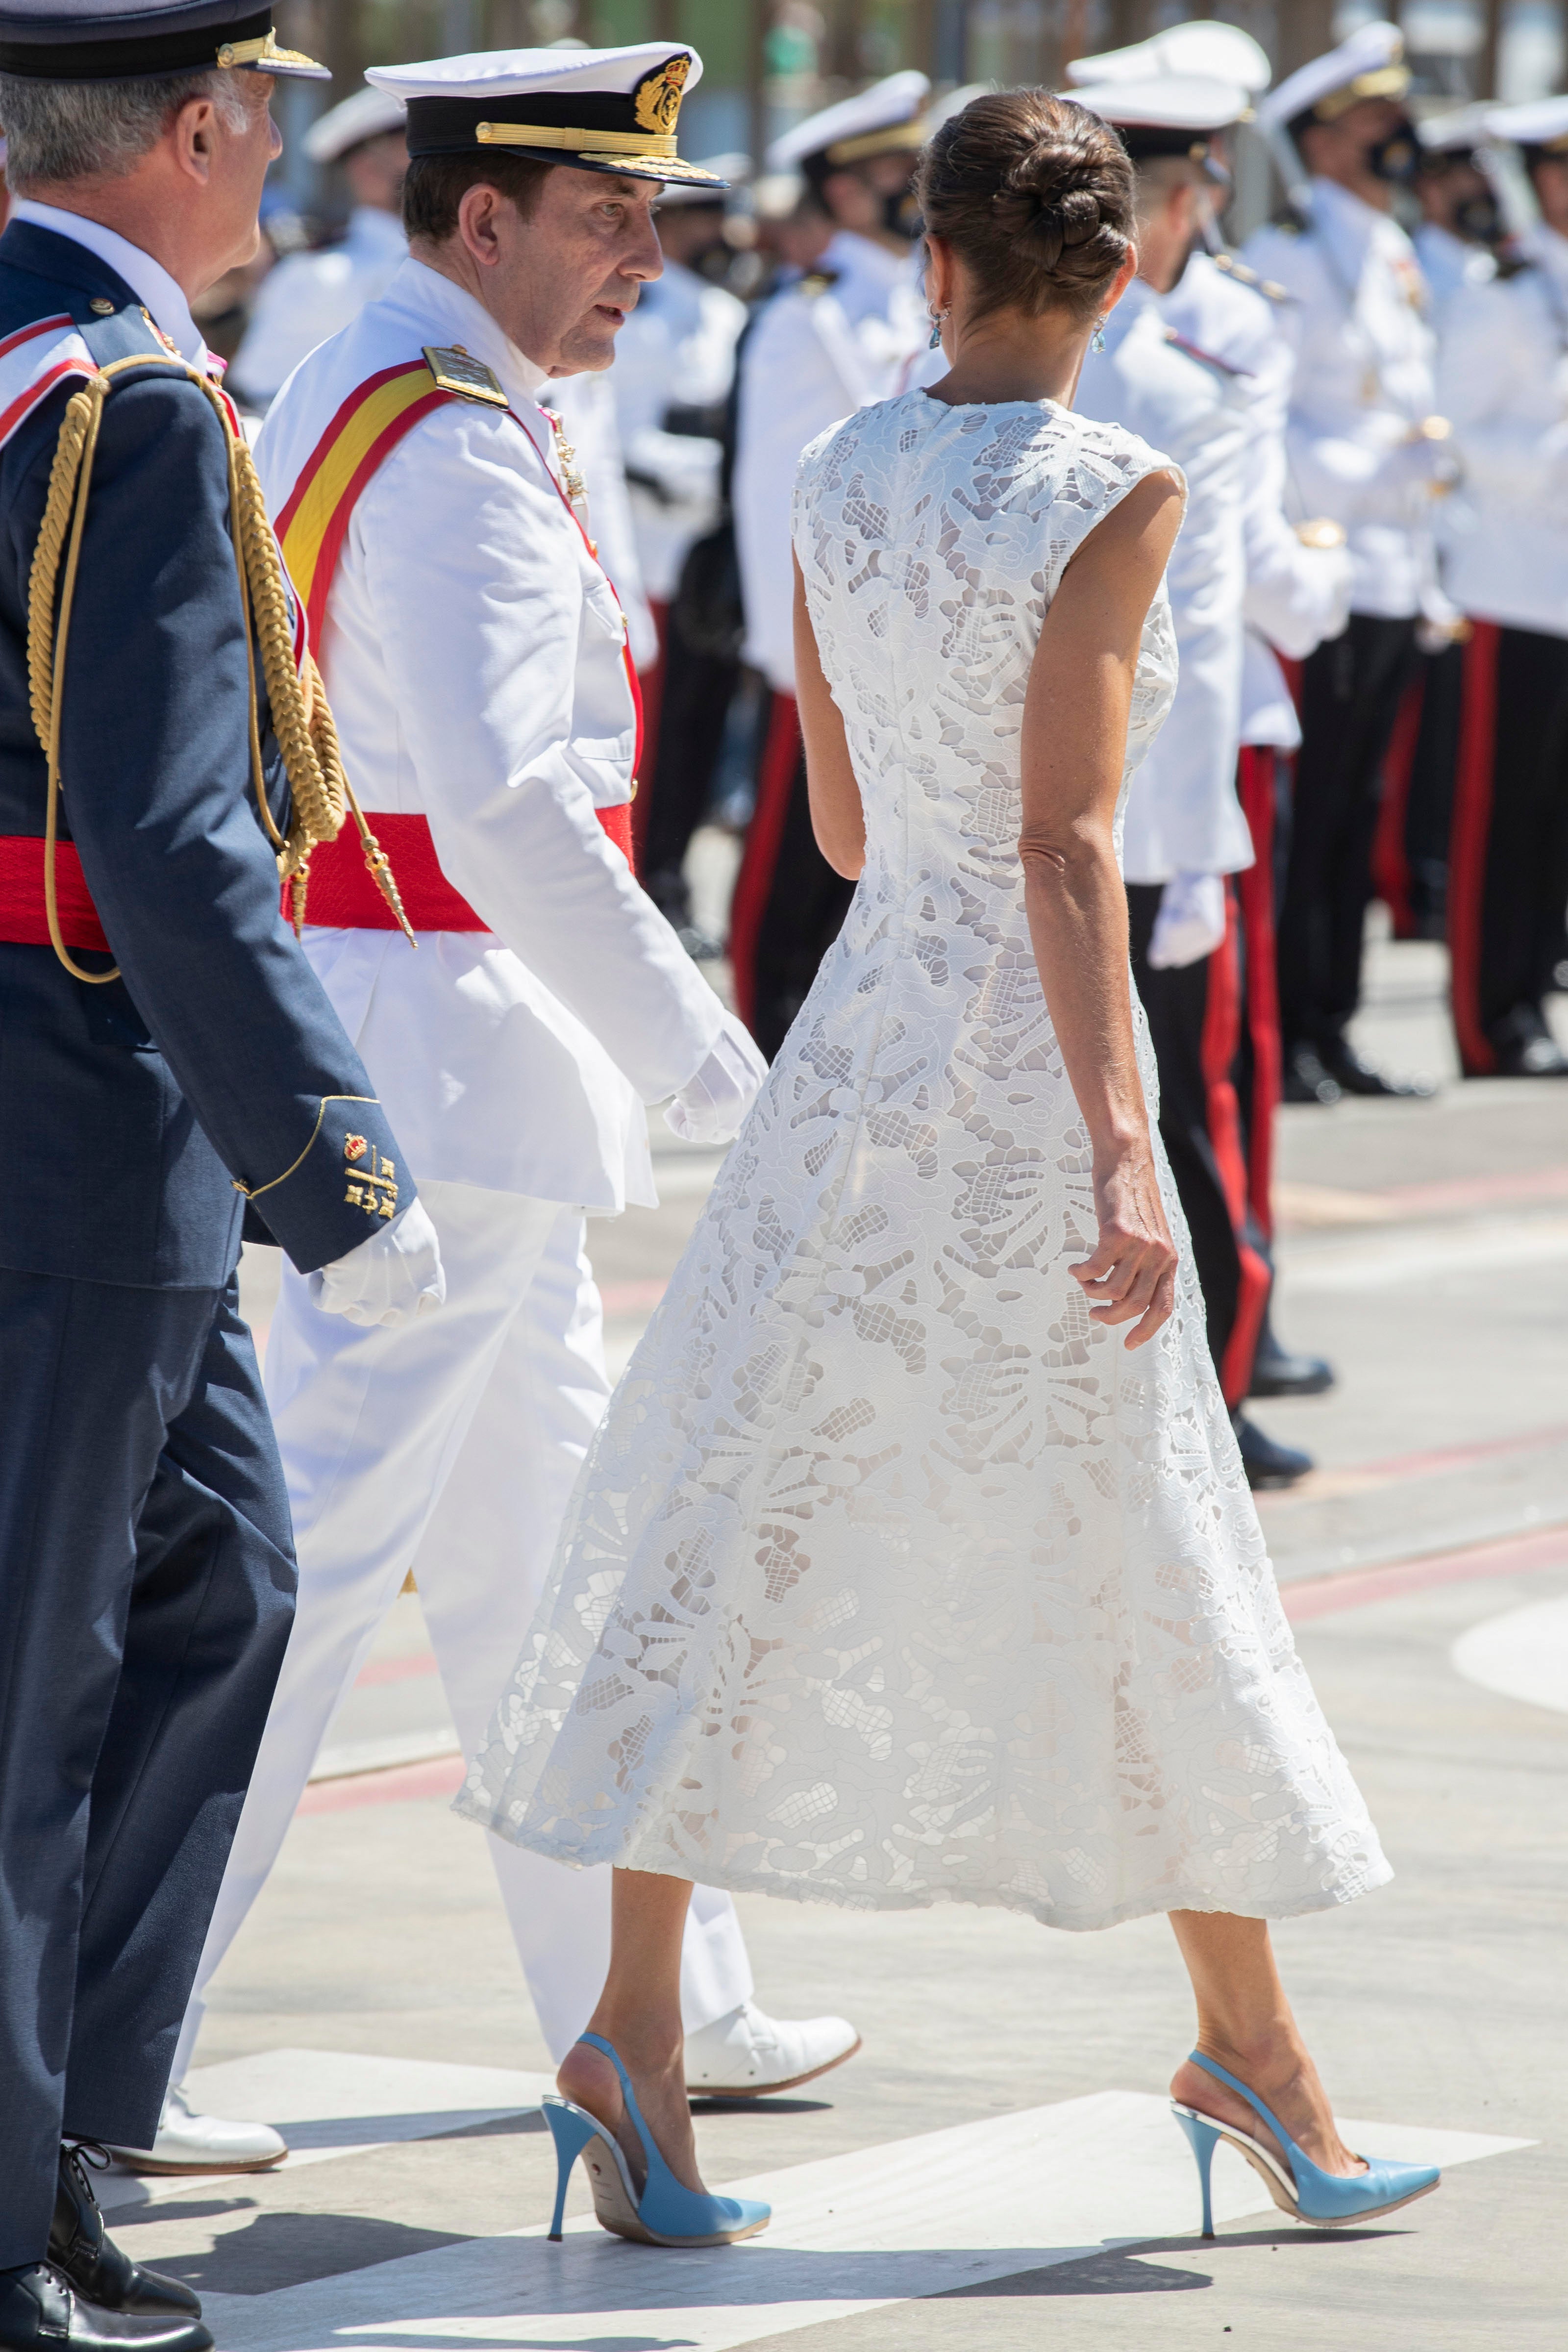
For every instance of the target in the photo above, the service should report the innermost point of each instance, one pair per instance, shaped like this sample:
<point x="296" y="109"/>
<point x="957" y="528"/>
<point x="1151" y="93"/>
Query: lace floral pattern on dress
<point x="890" y="1577"/>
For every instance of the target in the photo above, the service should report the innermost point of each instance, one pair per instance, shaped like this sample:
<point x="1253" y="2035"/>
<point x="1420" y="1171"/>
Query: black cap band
<point x="52" y="54"/>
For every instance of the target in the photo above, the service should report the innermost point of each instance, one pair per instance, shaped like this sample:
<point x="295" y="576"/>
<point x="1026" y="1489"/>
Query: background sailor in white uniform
<point x="478" y="658"/>
<point x="1502" y="377"/>
<point x="1366" y="450"/>
<point x="309" y="296"/>
<point x="1461" y="222"/>
<point x="842" y="334"/>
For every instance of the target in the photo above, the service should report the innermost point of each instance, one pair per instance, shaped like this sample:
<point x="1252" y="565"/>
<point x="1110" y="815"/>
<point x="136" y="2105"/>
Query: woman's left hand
<point x="1130" y="1276"/>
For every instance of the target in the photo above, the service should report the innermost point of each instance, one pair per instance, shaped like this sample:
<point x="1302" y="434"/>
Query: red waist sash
<point x="343" y="894"/>
<point x="23" y="918"/>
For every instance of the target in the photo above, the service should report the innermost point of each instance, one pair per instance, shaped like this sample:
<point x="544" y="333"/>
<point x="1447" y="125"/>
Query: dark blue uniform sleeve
<point x="159" y="797"/>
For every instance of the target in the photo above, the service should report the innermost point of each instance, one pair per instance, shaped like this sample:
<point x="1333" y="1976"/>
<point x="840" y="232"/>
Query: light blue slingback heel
<point x="664" y="2213"/>
<point x="1326" y="2201"/>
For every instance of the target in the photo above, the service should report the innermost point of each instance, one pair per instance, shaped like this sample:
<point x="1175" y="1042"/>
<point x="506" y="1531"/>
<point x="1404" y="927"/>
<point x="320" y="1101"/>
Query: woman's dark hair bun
<point x="1035" y="195"/>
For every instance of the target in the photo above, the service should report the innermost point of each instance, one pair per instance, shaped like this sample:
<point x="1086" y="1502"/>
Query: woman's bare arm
<point x="838" y="819"/>
<point x="1074" y="742"/>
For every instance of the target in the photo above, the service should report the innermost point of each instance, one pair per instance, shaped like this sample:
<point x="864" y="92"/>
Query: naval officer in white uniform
<point x="843" y="333"/>
<point x="309" y="296"/>
<point x="478" y="660"/>
<point x="1502" y="377"/>
<point x="1366" y="449"/>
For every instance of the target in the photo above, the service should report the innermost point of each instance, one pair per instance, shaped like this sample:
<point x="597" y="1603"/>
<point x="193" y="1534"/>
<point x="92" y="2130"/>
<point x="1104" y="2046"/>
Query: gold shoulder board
<point x="470" y="378"/>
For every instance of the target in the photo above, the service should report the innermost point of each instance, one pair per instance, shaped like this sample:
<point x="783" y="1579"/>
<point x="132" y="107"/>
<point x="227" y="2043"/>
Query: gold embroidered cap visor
<point x="630" y="131"/>
<point x="139" y="39"/>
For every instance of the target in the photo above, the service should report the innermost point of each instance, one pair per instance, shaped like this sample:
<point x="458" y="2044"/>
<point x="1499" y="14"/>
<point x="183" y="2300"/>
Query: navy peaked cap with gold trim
<point x="126" y="40"/>
<point x="598" y="110"/>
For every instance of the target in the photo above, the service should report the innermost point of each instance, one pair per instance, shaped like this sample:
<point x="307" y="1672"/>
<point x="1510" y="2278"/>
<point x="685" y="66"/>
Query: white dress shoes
<point x="748" y="2053"/>
<point x="193" y="2143"/>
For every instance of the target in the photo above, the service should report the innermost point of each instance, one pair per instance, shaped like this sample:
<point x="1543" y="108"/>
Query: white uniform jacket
<point x="1296" y="595"/>
<point x="1183" y="817"/>
<point x="675" y="351"/>
<point x="1363" y="388"/>
<point x="838" y="338"/>
<point x="586" y="407"/>
<point x="1448" y="263"/>
<point x="473" y="654"/>
<point x="1503" y="381"/>
<point x="310" y="296"/>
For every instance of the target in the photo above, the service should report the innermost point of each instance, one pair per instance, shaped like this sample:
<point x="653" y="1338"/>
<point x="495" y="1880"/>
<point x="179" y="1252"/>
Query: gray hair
<point x="101" y="129"/>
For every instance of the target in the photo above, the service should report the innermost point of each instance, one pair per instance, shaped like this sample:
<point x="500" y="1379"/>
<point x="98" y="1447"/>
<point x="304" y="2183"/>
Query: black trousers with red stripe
<point x="1352" y="688"/>
<point x="789" y="905"/>
<point x="1195" y="1021"/>
<point x="1507" y="888"/>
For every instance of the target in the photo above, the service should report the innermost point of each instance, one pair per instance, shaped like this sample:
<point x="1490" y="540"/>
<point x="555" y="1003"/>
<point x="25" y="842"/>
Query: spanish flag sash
<point x="311" y="530"/>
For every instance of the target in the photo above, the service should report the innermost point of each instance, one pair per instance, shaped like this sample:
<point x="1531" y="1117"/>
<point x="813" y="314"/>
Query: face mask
<point x="1479" y="219"/>
<point x="1396" y="158"/>
<point x="901" y="213"/>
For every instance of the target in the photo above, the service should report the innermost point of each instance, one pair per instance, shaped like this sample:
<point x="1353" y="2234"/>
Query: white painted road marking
<point x="1523" y="1654"/>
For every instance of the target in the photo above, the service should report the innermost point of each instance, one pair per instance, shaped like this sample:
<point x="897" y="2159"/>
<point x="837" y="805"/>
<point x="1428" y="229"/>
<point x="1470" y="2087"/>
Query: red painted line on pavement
<point x="1353" y="1477"/>
<point x="1321" y="1596"/>
<point x="442" y="1777"/>
<point x="632" y="1297"/>
<point x="1474" y="1191"/>
<point x="395" y="1670"/>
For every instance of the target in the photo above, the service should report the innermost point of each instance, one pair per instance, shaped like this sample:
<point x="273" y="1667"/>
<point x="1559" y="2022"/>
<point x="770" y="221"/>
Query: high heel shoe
<point x="1326" y="2201"/>
<point x="664" y="2213"/>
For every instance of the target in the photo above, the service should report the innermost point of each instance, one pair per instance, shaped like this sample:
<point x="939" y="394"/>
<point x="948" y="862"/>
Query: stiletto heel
<point x="1326" y="2201"/>
<point x="570" y="2129"/>
<point x="662" y="2213"/>
<point x="1201" y="2137"/>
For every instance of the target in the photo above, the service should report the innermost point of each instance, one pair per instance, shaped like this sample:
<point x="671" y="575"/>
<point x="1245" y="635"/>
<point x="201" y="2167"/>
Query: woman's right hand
<point x="1131" y="1277"/>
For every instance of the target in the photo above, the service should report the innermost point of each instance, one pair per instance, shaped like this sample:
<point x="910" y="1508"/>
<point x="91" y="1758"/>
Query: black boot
<point x="1267" y="1463"/>
<point x="40" y="2311"/>
<point x="1306" y="1078"/>
<point x="83" y="2251"/>
<point x="1526" y="1048"/>
<point x="1276" y="1373"/>
<point x="1354" y="1074"/>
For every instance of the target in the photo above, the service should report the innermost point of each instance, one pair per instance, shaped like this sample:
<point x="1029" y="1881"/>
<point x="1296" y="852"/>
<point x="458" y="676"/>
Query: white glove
<point x="392" y="1273"/>
<point x="710" y="1106"/>
<point x="1190" y="923"/>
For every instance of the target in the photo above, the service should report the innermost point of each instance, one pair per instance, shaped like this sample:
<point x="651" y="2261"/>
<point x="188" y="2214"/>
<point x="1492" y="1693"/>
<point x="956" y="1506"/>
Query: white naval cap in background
<point x="368" y="114"/>
<point x="1370" y="63"/>
<point x="1203" y="46"/>
<point x="889" y="116"/>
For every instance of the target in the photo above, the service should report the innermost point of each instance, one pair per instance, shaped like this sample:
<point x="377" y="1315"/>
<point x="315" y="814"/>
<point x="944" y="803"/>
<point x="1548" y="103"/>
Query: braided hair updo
<point x="1034" y="194"/>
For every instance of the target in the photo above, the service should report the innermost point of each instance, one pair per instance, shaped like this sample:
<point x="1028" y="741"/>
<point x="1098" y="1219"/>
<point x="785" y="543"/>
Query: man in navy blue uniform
<point x="168" y="1065"/>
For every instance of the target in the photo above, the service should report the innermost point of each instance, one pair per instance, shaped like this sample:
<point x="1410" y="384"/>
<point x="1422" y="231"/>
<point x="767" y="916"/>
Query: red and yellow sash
<point x="311" y="530"/>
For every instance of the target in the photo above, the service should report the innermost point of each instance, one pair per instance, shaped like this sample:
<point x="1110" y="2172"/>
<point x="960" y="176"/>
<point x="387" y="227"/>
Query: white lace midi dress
<point x="890" y="1578"/>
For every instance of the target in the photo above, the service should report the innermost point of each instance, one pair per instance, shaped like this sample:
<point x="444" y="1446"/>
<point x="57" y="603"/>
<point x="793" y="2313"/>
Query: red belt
<point x="22" y="917"/>
<point x="343" y="896"/>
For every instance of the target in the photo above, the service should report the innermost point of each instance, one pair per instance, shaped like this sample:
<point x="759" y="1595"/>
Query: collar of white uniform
<point x="376" y="230"/>
<point x="447" y="314"/>
<point x="864" y="258"/>
<point x="147" y="279"/>
<point x="1544" y="246"/>
<point x="1343" y="214"/>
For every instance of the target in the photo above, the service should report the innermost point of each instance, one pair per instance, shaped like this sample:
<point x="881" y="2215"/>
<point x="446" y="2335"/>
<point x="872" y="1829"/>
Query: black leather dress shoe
<point x="40" y="2311"/>
<point x="1277" y="1372"/>
<point x="1267" y="1463"/>
<point x="1353" y="1076"/>
<point x="1306" y="1078"/>
<point x="1526" y="1048"/>
<point x="81" y="2249"/>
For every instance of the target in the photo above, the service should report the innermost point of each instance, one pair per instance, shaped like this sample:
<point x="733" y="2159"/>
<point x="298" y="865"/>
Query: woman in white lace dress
<point x="913" y="1561"/>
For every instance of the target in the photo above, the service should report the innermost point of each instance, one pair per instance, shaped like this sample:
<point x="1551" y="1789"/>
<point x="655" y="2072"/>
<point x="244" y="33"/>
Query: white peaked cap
<point x="369" y="115"/>
<point x="1540" y="123"/>
<point x="889" y="115"/>
<point x="1166" y="101"/>
<point x="1202" y="46"/>
<point x="598" y="109"/>
<point x="1373" y="55"/>
<point x="515" y="73"/>
<point x="1452" y="134"/>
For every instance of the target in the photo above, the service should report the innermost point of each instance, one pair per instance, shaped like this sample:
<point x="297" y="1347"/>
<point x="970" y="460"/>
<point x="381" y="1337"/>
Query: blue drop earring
<point x="1097" y="343"/>
<point x="936" y="318"/>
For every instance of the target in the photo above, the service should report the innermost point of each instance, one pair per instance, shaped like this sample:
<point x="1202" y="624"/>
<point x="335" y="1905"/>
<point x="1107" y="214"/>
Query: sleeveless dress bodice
<point x="891" y="1577"/>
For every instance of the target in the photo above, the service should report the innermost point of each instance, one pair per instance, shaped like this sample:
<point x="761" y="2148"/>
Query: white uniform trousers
<point x="449" y="1446"/>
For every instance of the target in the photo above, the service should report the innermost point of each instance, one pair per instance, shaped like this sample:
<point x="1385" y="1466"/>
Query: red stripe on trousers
<point x="765" y="835"/>
<point x="1255" y="780"/>
<point x="1468" y="847"/>
<point x="1221" y="1036"/>
<point x="1390" y="865"/>
<point x="653" y="685"/>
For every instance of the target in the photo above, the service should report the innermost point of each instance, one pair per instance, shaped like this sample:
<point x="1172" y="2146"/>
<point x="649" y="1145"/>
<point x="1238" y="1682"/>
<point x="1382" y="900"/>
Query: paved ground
<point x="1427" y="1250"/>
